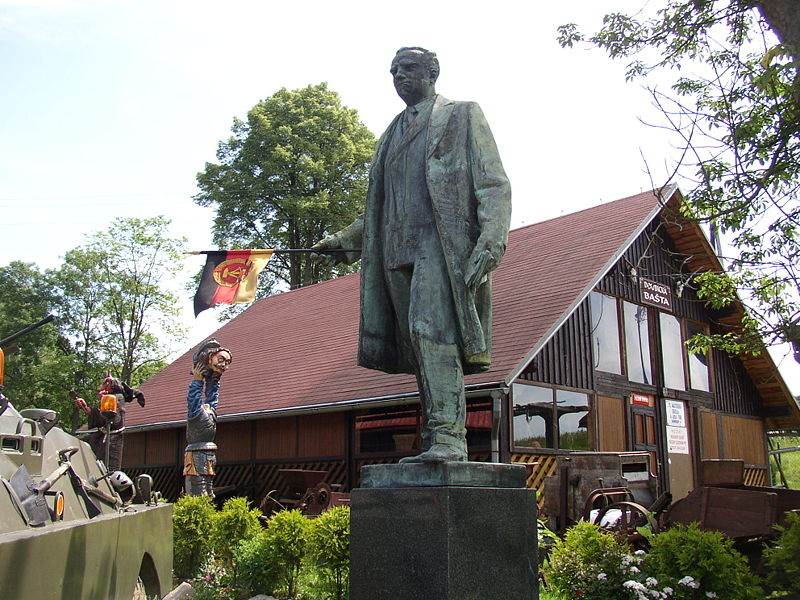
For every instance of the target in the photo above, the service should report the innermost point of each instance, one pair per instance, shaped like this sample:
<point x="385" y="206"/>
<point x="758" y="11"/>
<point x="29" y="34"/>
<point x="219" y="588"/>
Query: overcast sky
<point x="109" y="108"/>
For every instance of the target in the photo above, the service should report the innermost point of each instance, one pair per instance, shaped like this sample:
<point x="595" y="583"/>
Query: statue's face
<point x="219" y="362"/>
<point x="412" y="77"/>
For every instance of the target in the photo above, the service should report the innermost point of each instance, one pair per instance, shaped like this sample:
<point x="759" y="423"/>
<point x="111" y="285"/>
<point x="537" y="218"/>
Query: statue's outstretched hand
<point x="331" y="242"/>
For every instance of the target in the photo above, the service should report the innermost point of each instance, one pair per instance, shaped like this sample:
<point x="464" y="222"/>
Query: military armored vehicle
<point x="69" y="529"/>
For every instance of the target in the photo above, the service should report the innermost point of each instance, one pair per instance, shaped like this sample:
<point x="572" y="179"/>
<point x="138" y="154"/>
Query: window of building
<point x="573" y="416"/>
<point x="397" y="429"/>
<point x="605" y="333"/>
<point x="698" y="363"/>
<point x="550" y="418"/>
<point x="479" y="425"/>
<point x="637" y="343"/>
<point x="672" y="351"/>
<point x="387" y="429"/>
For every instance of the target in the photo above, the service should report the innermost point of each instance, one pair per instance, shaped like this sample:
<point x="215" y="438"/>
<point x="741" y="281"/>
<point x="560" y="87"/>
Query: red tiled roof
<point x="298" y="349"/>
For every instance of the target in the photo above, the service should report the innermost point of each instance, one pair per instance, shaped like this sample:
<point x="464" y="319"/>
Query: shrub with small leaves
<point x="192" y="525"/>
<point x="329" y="548"/>
<point x="234" y="523"/>
<point x="287" y="533"/>
<point x="783" y="559"/>
<point x="589" y="563"/>
<point x="700" y="564"/>
<point x="255" y="566"/>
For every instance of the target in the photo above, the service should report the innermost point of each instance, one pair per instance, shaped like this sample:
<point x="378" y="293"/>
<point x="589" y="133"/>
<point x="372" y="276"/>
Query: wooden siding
<point x="323" y="435"/>
<point x="133" y="449"/>
<point x="161" y="446"/>
<point x="735" y="391"/>
<point x="566" y="360"/>
<point x="743" y="438"/>
<point x="610" y="423"/>
<point x="709" y="435"/>
<point x="654" y="257"/>
<point x="233" y="441"/>
<point x="276" y="438"/>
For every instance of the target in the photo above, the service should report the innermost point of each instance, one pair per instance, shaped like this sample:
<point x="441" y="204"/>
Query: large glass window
<point x="550" y="418"/>
<point x="637" y="343"/>
<point x="698" y="363"/>
<point x="387" y="430"/>
<point x="573" y="416"/>
<point x="533" y="416"/>
<point x="672" y="352"/>
<point x="605" y="333"/>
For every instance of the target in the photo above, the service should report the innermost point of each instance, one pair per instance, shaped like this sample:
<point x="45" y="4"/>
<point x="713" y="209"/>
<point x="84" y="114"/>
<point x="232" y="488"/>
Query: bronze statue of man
<point x="434" y="227"/>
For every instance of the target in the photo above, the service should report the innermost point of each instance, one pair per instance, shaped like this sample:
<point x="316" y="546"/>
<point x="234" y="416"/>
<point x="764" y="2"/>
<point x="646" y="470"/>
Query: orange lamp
<point x="108" y="403"/>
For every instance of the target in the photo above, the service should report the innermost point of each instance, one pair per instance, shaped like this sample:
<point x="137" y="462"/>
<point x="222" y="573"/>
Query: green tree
<point x="293" y="172"/>
<point x="734" y="103"/>
<point x="40" y="365"/>
<point x="115" y="298"/>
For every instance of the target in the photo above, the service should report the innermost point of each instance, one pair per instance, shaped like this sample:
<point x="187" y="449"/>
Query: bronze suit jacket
<point x="471" y="201"/>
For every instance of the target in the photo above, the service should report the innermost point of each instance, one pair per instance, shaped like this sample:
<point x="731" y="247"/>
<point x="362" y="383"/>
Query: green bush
<point x="329" y="549"/>
<point x="255" y="566"/>
<point x="234" y="523"/>
<point x="783" y="559"/>
<point x="192" y="527"/>
<point x="697" y="564"/>
<point x="588" y="563"/>
<point x="287" y="534"/>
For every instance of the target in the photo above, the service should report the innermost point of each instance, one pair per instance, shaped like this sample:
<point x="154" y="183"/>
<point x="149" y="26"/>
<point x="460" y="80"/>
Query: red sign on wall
<point x="641" y="399"/>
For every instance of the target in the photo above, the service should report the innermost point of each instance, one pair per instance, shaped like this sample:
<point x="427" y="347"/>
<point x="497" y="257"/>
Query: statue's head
<point x="220" y="361"/>
<point x="213" y="357"/>
<point x="415" y="71"/>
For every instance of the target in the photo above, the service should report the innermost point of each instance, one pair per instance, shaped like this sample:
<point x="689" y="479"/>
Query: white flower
<point x="711" y="594"/>
<point x="601" y="576"/>
<point x="633" y="570"/>
<point x="639" y="553"/>
<point x="651" y="582"/>
<point x="634" y="585"/>
<point x="668" y="591"/>
<point x="689" y="581"/>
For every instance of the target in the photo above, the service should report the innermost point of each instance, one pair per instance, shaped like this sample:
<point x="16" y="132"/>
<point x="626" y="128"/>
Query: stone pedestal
<point x="452" y="531"/>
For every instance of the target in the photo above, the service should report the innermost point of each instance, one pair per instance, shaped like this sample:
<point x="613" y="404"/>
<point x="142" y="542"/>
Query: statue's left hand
<point x="198" y="372"/>
<point x="484" y="258"/>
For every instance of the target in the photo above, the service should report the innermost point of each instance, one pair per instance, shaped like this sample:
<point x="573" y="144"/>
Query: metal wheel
<point x="627" y="516"/>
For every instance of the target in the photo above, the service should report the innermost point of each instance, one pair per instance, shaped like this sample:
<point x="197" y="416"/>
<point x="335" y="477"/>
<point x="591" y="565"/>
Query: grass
<point x="789" y="462"/>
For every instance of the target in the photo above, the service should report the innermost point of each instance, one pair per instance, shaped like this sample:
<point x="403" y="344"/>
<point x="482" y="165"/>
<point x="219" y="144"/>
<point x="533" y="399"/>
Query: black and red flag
<point x="229" y="277"/>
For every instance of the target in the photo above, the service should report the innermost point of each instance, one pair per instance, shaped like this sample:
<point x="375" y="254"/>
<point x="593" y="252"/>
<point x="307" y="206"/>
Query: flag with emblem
<point x="229" y="277"/>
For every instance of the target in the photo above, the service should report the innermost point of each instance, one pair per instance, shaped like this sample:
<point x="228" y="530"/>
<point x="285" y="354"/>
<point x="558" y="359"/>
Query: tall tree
<point x="735" y="105"/>
<point x="116" y="299"/>
<point x="40" y="366"/>
<point x="293" y="172"/>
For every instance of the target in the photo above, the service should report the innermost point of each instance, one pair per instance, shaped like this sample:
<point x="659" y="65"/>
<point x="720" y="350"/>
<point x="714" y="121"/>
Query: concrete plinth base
<point x="443" y="542"/>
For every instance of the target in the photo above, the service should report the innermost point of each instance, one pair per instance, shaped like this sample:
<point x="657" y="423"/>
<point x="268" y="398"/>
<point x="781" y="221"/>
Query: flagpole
<point x="283" y="251"/>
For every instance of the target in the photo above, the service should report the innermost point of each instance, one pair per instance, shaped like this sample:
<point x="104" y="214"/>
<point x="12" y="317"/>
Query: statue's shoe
<point x="436" y="454"/>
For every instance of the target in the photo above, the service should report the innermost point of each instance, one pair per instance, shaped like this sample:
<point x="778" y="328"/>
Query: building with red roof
<point x="591" y="312"/>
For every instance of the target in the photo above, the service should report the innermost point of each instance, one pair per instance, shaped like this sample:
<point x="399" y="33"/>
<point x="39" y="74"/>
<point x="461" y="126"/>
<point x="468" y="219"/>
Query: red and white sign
<point x="677" y="440"/>
<point x="641" y="399"/>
